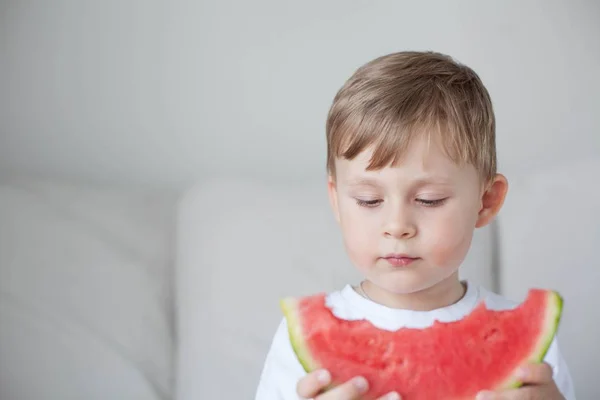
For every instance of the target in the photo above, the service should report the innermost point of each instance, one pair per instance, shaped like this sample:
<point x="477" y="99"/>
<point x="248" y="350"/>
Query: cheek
<point x="359" y="233"/>
<point x="450" y="237"/>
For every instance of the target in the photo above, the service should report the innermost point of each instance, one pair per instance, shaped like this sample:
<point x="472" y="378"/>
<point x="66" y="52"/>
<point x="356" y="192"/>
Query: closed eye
<point x="431" y="203"/>
<point x="368" y="203"/>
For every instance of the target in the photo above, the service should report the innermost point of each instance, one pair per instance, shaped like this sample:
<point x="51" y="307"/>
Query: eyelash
<point x="426" y="203"/>
<point x="367" y="203"/>
<point x="431" y="203"/>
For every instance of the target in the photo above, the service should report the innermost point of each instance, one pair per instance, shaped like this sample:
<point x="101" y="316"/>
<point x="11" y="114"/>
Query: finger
<point x="312" y="384"/>
<point x="535" y="374"/>
<point x="390" y="396"/>
<point x="351" y="390"/>
<point x="523" y="393"/>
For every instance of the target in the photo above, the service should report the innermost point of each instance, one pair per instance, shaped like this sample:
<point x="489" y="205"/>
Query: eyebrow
<point x="423" y="180"/>
<point x="363" y="182"/>
<point x="436" y="180"/>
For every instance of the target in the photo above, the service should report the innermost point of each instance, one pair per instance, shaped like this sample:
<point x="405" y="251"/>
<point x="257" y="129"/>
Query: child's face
<point x="425" y="208"/>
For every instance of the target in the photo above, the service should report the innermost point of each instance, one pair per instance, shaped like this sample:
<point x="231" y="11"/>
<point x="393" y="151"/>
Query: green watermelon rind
<point x="554" y="313"/>
<point x="289" y="306"/>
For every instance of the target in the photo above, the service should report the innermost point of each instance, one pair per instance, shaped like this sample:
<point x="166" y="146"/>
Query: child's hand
<point x="538" y="385"/>
<point x="311" y="386"/>
<point x="537" y="379"/>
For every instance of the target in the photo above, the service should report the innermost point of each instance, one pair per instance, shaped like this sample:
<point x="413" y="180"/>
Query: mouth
<point x="400" y="260"/>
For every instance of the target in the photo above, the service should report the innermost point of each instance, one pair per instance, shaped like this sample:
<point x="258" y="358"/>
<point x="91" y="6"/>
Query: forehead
<point x="422" y="155"/>
<point x="422" y="160"/>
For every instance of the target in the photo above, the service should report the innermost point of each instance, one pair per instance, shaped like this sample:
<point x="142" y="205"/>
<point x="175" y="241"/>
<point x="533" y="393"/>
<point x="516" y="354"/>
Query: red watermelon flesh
<point x="448" y="360"/>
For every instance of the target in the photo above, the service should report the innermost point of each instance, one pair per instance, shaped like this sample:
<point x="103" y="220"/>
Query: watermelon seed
<point x="491" y="334"/>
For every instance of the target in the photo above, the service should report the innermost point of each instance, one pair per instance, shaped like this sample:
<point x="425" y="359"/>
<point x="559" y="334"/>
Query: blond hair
<point x="387" y="102"/>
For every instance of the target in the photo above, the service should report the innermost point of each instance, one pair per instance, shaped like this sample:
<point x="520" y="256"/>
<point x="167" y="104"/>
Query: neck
<point x="443" y="294"/>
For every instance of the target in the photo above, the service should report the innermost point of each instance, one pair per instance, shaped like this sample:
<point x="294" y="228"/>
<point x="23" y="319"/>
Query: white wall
<point x="156" y="92"/>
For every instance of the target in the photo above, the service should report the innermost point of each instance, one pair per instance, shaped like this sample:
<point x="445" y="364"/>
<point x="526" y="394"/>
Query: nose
<point x="399" y="224"/>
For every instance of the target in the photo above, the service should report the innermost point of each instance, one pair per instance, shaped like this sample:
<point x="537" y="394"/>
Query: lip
<point x="400" y="260"/>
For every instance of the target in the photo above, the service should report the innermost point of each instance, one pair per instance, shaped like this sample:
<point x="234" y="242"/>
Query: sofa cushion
<point x="85" y="298"/>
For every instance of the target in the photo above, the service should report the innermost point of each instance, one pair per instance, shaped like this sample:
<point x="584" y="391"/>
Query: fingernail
<point x="522" y="373"/>
<point x="485" y="396"/>
<point x="361" y="384"/>
<point x="392" y="396"/>
<point x="324" y="377"/>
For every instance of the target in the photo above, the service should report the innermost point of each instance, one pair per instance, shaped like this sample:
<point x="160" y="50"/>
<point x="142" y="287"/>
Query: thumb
<point x="535" y="373"/>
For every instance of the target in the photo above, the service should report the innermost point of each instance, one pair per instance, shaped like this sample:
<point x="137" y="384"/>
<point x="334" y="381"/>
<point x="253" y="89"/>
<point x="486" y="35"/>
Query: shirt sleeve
<point x="281" y="371"/>
<point x="561" y="373"/>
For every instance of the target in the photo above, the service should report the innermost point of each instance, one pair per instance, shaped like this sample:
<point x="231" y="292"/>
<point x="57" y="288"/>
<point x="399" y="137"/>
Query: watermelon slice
<point x="448" y="360"/>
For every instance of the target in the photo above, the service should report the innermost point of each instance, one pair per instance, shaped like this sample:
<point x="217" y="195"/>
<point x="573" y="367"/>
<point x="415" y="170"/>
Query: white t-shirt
<point x="282" y="370"/>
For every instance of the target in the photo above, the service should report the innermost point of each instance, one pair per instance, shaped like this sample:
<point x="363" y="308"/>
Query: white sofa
<point x="85" y="293"/>
<point x="113" y="294"/>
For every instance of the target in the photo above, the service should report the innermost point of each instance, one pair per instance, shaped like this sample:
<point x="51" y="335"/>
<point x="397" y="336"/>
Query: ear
<point x="492" y="200"/>
<point x="333" y="199"/>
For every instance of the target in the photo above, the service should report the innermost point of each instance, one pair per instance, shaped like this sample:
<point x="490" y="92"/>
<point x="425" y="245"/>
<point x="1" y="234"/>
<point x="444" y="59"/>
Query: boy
<point x="411" y="161"/>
